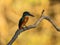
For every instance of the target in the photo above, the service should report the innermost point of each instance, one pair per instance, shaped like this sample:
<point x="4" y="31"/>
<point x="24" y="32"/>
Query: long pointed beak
<point x="31" y="15"/>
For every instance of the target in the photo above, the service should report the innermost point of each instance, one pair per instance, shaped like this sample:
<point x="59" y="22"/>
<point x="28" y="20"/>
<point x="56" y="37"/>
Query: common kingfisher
<point x="24" y="19"/>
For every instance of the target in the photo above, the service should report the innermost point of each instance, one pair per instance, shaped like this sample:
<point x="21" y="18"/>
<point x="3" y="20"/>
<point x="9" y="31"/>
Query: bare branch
<point x="52" y="22"/>
<point x="32" y="26"/>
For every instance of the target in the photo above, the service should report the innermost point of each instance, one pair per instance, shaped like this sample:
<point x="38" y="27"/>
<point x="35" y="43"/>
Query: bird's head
<point x="26" y="13"/>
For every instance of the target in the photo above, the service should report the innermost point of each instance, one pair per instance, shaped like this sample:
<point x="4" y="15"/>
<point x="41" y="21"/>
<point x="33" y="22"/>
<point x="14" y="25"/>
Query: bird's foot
<point x="22" y="27"/>
<point x="25" y="26"/>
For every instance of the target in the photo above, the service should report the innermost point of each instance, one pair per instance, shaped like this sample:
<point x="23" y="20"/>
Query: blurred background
<point x="44" y="34"/>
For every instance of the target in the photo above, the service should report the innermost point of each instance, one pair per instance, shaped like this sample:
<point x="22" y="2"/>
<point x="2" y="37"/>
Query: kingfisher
<point x="24" y="19"/>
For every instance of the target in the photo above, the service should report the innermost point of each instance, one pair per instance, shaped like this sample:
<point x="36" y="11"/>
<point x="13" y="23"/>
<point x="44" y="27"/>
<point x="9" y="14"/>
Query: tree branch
<point x="52" y="22"/>
<point x="32" y="26"/>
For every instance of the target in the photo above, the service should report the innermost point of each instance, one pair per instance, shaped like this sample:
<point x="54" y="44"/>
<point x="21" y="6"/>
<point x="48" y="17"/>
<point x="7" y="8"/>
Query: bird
<point x="24" y="19"/>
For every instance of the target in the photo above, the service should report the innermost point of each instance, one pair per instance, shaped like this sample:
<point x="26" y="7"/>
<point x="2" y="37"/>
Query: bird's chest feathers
<point x="25" y="20"/>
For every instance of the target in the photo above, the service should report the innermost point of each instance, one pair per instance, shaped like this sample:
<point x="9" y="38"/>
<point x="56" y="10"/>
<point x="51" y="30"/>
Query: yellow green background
<point x="44" y="34"/>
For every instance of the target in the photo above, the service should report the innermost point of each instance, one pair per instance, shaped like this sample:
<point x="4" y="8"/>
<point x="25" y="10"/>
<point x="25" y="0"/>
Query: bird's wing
<point x="20" y="22"/>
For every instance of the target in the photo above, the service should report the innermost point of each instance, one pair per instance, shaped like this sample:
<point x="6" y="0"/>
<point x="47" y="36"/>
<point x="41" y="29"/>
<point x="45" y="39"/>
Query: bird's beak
<point x="31" y="15"/>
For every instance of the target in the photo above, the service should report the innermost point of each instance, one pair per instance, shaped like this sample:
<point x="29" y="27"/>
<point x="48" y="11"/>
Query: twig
<point x="32" y="26"/>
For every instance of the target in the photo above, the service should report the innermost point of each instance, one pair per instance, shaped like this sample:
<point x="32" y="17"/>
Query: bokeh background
<point x="44" y="34"/>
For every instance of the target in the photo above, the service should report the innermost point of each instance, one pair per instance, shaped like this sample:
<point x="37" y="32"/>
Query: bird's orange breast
<point x="24" y="21"/>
